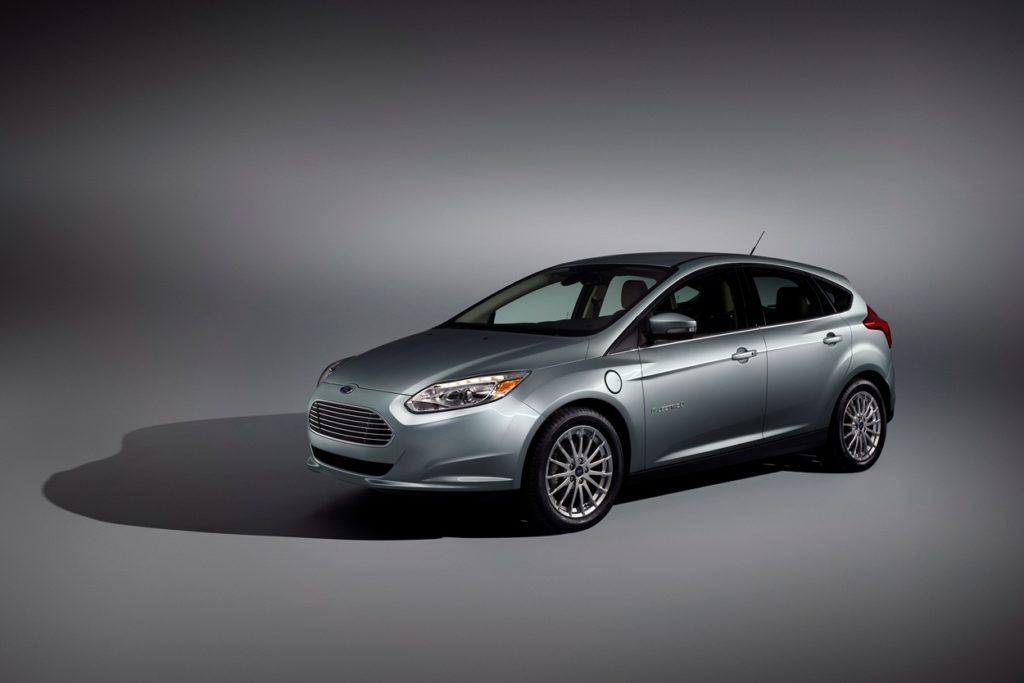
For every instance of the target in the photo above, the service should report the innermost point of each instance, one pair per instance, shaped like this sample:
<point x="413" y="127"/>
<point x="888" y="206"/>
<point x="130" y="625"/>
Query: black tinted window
<point x="785" y="296"/>
<point x="712" y="300"/>
<point x="839" y="298"/>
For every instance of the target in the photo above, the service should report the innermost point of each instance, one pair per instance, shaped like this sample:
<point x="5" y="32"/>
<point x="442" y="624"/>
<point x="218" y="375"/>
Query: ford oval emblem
<point x="346" y="389"/>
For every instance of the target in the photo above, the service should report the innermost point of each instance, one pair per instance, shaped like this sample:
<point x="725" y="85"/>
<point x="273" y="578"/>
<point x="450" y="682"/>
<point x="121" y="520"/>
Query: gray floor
<point x="149" y="534"/>
<point x="199" y="212"/>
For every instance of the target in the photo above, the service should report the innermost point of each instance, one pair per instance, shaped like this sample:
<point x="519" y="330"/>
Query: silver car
<point x="569" y="380"/>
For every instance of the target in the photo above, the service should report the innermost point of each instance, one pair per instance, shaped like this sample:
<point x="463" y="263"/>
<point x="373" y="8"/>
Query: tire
<point x="585" y="434"/>
<point x="858" y="428"/>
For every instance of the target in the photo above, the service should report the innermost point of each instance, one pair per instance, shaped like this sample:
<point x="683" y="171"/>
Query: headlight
<point x="329" y="369"/>
<point x="463" y="393"/>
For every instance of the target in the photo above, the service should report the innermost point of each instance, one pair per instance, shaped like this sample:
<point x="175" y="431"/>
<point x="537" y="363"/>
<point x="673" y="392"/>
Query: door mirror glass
<point x="671" y="326"/>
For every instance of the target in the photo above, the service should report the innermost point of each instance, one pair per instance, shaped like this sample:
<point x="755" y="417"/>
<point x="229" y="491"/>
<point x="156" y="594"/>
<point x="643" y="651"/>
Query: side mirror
<point x="674" y="326"/>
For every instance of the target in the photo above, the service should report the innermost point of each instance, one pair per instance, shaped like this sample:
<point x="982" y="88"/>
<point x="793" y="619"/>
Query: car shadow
<point x="247" y="475"/>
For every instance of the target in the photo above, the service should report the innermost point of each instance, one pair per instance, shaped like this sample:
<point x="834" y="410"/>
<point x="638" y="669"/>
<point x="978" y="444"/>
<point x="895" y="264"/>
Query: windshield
<point x="568" y="300"/>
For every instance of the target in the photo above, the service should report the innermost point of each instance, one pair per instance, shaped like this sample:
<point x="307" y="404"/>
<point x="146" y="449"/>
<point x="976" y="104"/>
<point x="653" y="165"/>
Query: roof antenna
<point x="757" y="243"/>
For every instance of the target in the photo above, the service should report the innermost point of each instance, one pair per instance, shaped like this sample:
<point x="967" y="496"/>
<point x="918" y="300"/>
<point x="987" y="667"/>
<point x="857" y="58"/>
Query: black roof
<point x="652" y="258"/>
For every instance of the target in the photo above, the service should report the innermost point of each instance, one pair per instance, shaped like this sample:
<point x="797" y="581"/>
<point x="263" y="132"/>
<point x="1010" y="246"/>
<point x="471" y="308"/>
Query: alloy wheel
<point x="579" y="472"/>
<point x="862" y="426"/>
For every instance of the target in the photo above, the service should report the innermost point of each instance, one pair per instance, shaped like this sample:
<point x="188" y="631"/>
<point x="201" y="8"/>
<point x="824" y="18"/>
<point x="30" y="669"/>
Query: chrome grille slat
<point x="352" y="424"/>
<point x="347" y="420"/>
<point x="358" y="413"/>
<point x="357" y="424"/>
<point x="344" y="406"/>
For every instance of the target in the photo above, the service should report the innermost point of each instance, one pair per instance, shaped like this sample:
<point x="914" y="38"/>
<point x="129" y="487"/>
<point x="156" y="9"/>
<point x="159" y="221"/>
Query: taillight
<point x="873" y="322"/>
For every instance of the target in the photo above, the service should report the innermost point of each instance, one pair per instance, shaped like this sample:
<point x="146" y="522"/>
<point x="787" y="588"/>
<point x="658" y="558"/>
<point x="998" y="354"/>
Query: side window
<point x="684" y="294"/>
<point x="785" y="296"/>
<point x="712" y="299"/>
<point x="841" y="299"/>
<point x="623" y="292"/>
<point x="553" y="302"/>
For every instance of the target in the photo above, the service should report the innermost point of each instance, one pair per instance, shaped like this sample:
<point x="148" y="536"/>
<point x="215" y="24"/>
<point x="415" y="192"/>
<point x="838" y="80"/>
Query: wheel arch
<point x="607" y="409"/>
<point x="878" y="380"/>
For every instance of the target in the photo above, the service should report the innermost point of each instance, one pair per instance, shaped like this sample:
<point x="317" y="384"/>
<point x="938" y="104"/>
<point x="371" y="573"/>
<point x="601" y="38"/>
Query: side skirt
<point x="758" y="451"/>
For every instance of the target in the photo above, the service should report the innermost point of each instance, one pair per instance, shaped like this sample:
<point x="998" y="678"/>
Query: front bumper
<point x="473" y="449"/>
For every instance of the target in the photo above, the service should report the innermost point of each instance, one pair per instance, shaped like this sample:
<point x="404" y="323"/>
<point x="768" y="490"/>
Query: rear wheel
<point x="857" y="432"/>
<point x="574" y="470"/>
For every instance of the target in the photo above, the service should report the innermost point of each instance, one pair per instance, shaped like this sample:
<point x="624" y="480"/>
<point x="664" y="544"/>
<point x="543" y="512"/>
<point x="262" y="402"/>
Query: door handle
<point x="743" y="355"/>
<point x="831" y="339"/>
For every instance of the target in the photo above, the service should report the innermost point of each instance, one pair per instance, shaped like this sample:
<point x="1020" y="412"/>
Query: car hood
<point x="408" y="365"/>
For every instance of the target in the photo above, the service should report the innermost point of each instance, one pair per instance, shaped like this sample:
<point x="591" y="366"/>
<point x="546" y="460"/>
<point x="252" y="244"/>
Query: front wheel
<point x="574" y="470"/>
<point x="857" y="432"/>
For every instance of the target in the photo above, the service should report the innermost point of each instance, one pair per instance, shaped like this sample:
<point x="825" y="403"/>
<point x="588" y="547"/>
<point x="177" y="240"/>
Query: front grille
<point x="365" y="467"/>
<point x="349" y="423"/>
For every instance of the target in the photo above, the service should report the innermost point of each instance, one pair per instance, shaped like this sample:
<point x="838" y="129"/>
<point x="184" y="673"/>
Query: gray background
<point x="200" y="210"/>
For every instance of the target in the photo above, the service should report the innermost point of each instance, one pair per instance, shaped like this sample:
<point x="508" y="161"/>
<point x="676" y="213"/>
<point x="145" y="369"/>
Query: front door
<point x="704" y="394"/>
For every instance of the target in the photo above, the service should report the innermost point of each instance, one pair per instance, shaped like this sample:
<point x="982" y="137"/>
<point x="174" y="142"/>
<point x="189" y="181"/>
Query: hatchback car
<point x="571" y="379"/>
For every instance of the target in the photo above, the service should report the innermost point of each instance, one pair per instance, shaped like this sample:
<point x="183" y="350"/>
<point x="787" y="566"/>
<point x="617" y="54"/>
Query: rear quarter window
<point x="785" y="296"/>
<point x="839" y="298"/>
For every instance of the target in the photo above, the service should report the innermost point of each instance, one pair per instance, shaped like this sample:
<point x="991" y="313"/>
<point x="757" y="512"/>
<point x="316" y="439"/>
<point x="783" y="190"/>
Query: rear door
<point x="808" y="349"/>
